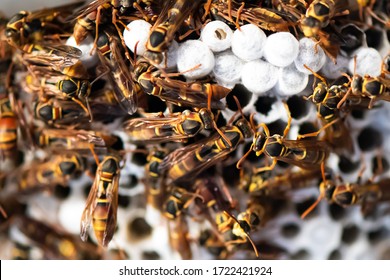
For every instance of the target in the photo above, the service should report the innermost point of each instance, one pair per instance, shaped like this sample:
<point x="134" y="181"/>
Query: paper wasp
<point x="30" y="27"/>
<point x="102" y="202"/>
<point x="228" y="10"/>
<point x="55" y="243"/>
<point x="218" y="203"/>
<point x="366" y="7"/>
<point x="155" y="188"/>
<point x="327" y="97"/>
<point x="90" y="16"/>
<point x="8" y="128"/>
<point x="45" y="82"/>
<point x="124" y="88"/>
<point x="61" y="58"/>
<point x="172" y="16"/>
<point x="367" y="87"/>
<point x="175" y="127"/>
<point x="276" y="185"/>
<point x="55" y="171"/>
<point x="178" y="200"/>
<point x="179" y="237"/>
<point x="192" y="94"/>
<point x="305" y="153"/>
<point x="319" y="14"/>
<point x="61" y="113"/>
<point x="185" y="162"/>
<point x="348" y="194"/>
<point x="80" y="141"/>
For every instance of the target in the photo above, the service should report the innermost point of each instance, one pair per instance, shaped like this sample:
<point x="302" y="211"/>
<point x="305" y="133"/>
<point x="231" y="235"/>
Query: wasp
<point x="213" y="244"/>
<point x="262" y="17"/>
<point x="26" y="27"/>
<point x="102" y="202"/>
<point x="110" y="54"/>
<point x="89" y="17"/>
<point x="185" y="162"/>
<point x="319" y="14"/>
<point x="173" y="14"/>
<point x="155" y="188"/>
<point x="348" y="194"/>
<point x="327" y="97"/>
<point x="367" y="195"/>
<point x="191" y="94"/>
<point x="21" y="251"/>
<point x="45" y="82"/>
<point x="366" y="7"/>
<point x="271" y="185"/>
<point x="367" y="87"/>
<point x="61" y="113"/>
<point x="305" y="153"/>
<point x="8" y="128"/>
<point x="179" y="237"/>
<point x="55" y="243"/>
<point x="176" y="127"/>
<point x="178" y="200"/>
<point x="80" y="141"/>
<point x="317" y="17"/>
<point x="55" y="171"/>
<point x="219" y="203"/>
<point x="61" y="58"/>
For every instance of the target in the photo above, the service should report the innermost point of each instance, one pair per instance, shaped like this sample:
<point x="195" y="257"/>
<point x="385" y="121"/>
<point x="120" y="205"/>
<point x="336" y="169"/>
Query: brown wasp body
<point x="175" y="127"/>
<point x="179" y="237"/>
<point x="192" y="159"/>
<point x="74" y="140"/>
<point x="327" y="98"/>
<point x="173" y="14"/>
<point x="275" y="185"/>
<point x="194" y="94"/>
<point x="102" y="203"/>
<point x="124" y="88"/>
<point x="29" y="27"/>
<point x="218" y="203"/>
<point x="305" y="153"/>
<point x="236" y="13"/>
<point x="8" y="128"/>
<point x="55" y="243"/>
<point x="56" y="171"/>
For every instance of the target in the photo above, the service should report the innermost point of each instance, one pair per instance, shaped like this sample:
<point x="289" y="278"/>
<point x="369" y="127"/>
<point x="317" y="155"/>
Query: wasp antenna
<point x="253" y="244"/>
<point x="316" y="74"/>
<point x="239" y="11"/>
<point x="135" y="52"/>
<point x="312" y="207"/>
<point x="239" y="163"/>
<point x="3" y="212"/>
<point x="95" y="156"/>
<point x="238" y="105"/>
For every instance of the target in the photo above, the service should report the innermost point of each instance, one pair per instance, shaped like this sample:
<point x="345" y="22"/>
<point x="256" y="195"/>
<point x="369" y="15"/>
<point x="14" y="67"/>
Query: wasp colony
<point x="180" y="129"/>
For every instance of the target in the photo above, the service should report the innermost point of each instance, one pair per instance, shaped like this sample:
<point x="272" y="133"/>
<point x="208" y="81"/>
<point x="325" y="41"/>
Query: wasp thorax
<point x="110" y="165"/>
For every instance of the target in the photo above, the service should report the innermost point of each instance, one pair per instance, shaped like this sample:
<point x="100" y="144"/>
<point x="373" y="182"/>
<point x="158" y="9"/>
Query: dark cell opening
<point x="264" y="104"/>
<point x="336" y="212"/>
<point x="139" y="228"/>
<point x="350" y="234"/>
<point x="243" y="95"/>
<point x="335" y="255"/>
<point x="303" y="206"/>
<point x="346" y="165"/>
<point x="62" y="192"/>
<point x="290" y="230"/>
<point x="299" y="107"/>
<point x="369" y="139"/>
